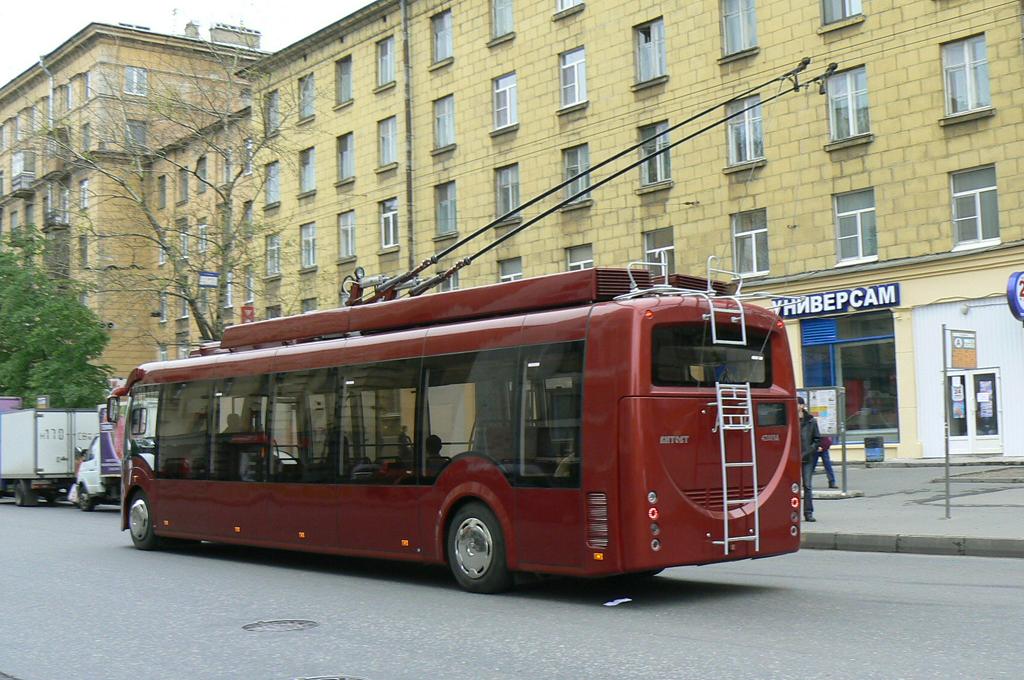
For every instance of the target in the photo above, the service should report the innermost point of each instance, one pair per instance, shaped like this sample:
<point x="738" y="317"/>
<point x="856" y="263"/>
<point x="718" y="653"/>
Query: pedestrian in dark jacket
<point x="810" y="439"/>
<point x="826" y="460"/>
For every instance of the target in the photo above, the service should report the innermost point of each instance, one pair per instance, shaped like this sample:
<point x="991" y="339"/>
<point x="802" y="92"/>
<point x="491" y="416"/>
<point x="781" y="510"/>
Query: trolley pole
<point x="945" y="410"/>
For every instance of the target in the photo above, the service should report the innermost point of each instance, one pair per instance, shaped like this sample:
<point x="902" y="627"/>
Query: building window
<point x="650" y="50"/>
<point x="576" y="160"/>
<point x="250" y="151"/>
<point x="163" y="307"/>
<point x="573" y="77"/>
<point x="83" y="252"/>
<point x="501" y="17"/>
<point x="387" y="133"/>
<point x="975" y="207"/>
<point x="347" y="234"/>
<point x="183" y="237"/>
<point x="346" y="156"/>
<point x="660" y="251"/>
<point x="444" y="122"/>
<point x="86" y="137"/>
<point x="855" y="225"/>
<point x="451" y="283"/>
<point x="307" y="96"/>
<point x="506" y="182"/>
<point x="746" y="136"/>
<point x="250" y="285"/>
<point x="227" y="167"/>
<point x="202" y="234"/>
<point x="750" y="242"/>
<point x="201" y="175"/>
<point x="307" y="238"/>
<point x="848" y="104"/>
<point x="510" y="270"/>
<point x="386" y="61"/>
<point x="562" y="5"/>
<point x="441" y="27"/>
<point x="343" y="80"/>
<point x="965" y="64"/>
<point x="579" y="257"/>
<point x="389" y="223"/>
<point x="505" y="101"/>
<point x="135" y="134"/>
<point x="83" y="194"/>
<point x="308" y="305"/>
<point x="273" y="311"/>
<point x="656" y="168"/>
<point x="136" y="80"/>
<point x="307" y="170"/>
<point x="444" y="199"/>
<point x="229" y="290"/>
<point x="272" y="188"/>
<point x="837" y="10"/>
<point x="273" y="254"/>
<point x="272" y="112"/>
<point x="739" y="25"/>
<point x="858" y="353"/>
<point x="183" y="174"/>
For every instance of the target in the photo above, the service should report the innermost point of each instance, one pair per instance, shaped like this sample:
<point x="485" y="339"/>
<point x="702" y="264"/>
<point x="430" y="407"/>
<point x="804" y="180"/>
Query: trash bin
<point x="874" y="449"/>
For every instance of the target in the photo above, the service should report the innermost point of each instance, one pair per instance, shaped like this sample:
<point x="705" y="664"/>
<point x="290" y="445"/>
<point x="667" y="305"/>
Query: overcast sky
<point x="30" y="28"/>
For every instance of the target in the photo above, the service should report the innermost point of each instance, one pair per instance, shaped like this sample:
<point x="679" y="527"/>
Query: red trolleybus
<point x="585" y="423"/>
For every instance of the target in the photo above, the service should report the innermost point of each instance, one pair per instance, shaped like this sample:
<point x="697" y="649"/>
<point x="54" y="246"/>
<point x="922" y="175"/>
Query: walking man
<point x="810" y="438"/>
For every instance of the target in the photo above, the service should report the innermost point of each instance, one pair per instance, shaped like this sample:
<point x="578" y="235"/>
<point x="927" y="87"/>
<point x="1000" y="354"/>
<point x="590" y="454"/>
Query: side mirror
<point x="113" y="409"/>
<point x="80" y="452"/>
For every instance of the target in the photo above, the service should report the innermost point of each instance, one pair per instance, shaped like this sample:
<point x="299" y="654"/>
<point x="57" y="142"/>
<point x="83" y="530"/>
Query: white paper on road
<point x="621" y="600"/>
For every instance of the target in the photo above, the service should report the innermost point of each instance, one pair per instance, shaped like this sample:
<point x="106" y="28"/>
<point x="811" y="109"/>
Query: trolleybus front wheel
<point x="140" y="523"/>
<point x="476" y="550"/>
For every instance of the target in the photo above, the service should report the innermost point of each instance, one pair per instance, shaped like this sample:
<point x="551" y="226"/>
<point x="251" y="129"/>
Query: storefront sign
<point x="1015" y="295"/>
<point x="839" y="301"/>
<point x="964" y="349"/>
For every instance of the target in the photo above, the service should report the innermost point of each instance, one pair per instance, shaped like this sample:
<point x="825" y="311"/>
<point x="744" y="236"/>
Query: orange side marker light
<point x="238" y="530"/>
<point x="599" y="556"/>
<point x="405" y="542"/>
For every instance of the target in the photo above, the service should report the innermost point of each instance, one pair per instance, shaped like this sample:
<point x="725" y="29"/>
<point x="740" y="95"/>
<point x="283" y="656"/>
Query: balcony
<point x="57" y="219"/>
<point x="23" y="173"/>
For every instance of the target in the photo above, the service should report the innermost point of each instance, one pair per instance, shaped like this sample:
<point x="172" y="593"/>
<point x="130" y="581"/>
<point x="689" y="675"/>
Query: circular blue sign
<point x="1015" y="295"/>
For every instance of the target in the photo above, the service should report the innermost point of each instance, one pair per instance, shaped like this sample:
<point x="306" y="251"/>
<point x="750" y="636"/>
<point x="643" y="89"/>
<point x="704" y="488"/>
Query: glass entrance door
<point x="974" y="408"/>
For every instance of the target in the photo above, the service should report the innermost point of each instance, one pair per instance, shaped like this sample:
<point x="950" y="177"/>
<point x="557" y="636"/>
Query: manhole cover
<point x="278" y="626"/>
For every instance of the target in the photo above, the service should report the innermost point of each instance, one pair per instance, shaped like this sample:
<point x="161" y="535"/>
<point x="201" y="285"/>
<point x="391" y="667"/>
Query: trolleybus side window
<point x="470" y="407"/>
<point x="142" y="423"/>
<point x="183" y="428"/>
<point x="683" y="356"/>
<point x="552" y="402"/>
<point x="239" y="445"/>
<point x="305" y="429"/>
<point x="379" y="422"/>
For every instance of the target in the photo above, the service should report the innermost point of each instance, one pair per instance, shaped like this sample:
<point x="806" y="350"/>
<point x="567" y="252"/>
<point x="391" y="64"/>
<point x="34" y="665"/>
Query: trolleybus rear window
<point x="683" y="356"/>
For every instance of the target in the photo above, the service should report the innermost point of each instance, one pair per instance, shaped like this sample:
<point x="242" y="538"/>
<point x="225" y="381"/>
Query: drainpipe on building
<point x="49" y="100"/>
<point x="407" y="68"/>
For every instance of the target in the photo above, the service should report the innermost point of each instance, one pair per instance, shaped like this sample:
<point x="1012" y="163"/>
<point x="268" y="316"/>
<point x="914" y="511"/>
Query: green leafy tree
<point x="47" y="337"/>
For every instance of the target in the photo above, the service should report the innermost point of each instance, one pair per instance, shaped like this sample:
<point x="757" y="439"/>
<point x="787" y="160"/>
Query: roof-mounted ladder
<point x="728" y="306"/>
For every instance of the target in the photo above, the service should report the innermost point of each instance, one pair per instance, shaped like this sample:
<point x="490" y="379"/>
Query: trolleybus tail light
<point x="655" y="545"/>
<point x="795" y="502"/>
<point x="653" y="513"/>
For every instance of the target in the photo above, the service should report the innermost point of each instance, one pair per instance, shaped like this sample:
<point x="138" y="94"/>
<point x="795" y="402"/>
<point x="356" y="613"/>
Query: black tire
<point x="86" y="503"/>
<point x="140" y="523"/>
<point x="24" y="496"/>
<point x="476" y="550"/>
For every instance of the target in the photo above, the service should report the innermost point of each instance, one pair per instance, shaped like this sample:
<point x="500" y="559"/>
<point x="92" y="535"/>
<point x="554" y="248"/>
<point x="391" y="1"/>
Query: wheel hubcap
<point x="473" y="547"/>
<point x="138" y="519"/>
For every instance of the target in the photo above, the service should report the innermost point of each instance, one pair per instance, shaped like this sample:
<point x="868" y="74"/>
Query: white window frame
<point x="649" y="40"/>
<point x="579" y="257"/>
<point x="441" y="30"/>
<point x="201" y="172"/>
<point x="389" y="223"/>
<point x="502" y="18"/>
<point x="273" y="254"/>
<point x="575" y="160"/>
<point x="958" y="64"/>
<point x="307" y="96"/>
<point x="136" y="81"/>
<point x="163" y="307"/>
<point x="975" y="199"/>
<point x="847" y="98"/>
<point x="229" y="290"/>
<point x="307" y="239"/>
<point x="562" y="5"/>
<point x="510" y="269"/>
<point x="573" y="76"/>
<point x="307" y="170"/>
<point x="386" y="61"/>
<point x="272" y="112"/>
<point x="745" y="131"/>
<point x="837" y="10"/>
<point x="347" y="234"/>
<point x="665" y="255"/>
<point x="506" y="104"/>
<point x="387" y="133"/>
<point x="506" y="183"/>
<point x="83" y="194"/>
<point x="865" y="231"/>
<point x="346" y="156"/>
<point x="343" y="83"/>
<point x="272" y="185"/>
<point x="739" y="26"/>
<point x="445" y="209"/>
<point x="756" y="235"/>
<point x="250" y="285"/>
<point x="202" y="237"/>
<point x="451" y="283"/>
<point x="659" y="168"/>
<point x="444" y="122"/>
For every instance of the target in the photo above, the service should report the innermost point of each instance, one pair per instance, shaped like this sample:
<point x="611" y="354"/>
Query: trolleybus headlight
<point x="655" y="545"/>
<point x="653" y="513"/>
<point x="795" y="488"/>
<point x="655" y="529"/>
<point x="652" y="497"/>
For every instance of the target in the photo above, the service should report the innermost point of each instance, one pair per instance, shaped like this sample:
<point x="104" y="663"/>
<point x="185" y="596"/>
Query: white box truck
<point x="37" y="451"/>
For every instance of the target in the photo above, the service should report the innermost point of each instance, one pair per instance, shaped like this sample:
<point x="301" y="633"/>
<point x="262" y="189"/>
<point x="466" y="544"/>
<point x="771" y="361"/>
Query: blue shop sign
<point x="839" y="301"/>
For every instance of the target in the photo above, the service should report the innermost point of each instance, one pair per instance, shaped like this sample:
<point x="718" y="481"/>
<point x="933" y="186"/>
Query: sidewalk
<point x="900" y="506"/>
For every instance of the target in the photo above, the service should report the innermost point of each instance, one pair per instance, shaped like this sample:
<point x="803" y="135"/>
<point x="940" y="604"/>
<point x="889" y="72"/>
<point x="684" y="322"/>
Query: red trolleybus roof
<point x="543" y="292"/>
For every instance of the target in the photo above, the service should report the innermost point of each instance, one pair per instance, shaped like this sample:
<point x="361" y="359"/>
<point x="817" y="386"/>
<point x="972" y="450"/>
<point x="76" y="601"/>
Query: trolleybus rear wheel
<point x="476" y="550"/>
<point x="140" y="523"/>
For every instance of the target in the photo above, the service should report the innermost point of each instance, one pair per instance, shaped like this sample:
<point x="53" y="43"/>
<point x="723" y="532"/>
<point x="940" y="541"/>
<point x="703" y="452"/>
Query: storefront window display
<point x="856" y="352"/>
